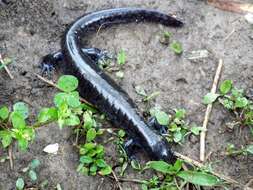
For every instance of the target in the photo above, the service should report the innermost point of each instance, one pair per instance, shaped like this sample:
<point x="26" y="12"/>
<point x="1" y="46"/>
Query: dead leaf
<point x="231" y="6"/>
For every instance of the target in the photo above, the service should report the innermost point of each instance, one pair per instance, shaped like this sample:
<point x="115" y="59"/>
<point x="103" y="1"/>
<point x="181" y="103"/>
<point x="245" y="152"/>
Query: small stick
<point x="77" y="137"/>
<point x="229" y="35"/>
<point x="10" y="156"/>
<point x="128" y="180"/>
<point x="100" y="27"/>
<point x="5" y="67"/>
<point x="248" y="184"/>
<point x="51" y="83"/>
<point x="100" y="184"/>
<point x="117" y="180"/>
<point x="208" y="112"/>
<point x="231" y="5"/>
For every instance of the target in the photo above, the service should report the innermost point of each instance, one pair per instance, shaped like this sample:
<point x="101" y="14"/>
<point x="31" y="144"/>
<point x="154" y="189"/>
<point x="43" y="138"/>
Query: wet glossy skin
<point x="100" y="90"/>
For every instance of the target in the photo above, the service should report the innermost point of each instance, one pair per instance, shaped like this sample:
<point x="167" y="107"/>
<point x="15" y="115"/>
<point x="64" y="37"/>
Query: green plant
<point x="13" y="126"/>
<point x="121" y="58"/>
<point x="123" y="158"/>
<point x="30" y="170"/>
<point x="174" y="177"/>
<point x="177" y="127"/>
<point x="235" y="101"/>
<point x="176" y="47"/>
<point x="92" y="154"/>
<point x="20" y="183"/>
<point x="68" y="111"/>
<point x="232" y="151"/>
<point x="4" y="62"/>
<point x="146" y="97"/>
<point x="68" y="102"/>
<point x="165" y="38"/>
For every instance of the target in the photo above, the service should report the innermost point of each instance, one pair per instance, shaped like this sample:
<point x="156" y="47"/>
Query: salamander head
<point x="162" y="151"/>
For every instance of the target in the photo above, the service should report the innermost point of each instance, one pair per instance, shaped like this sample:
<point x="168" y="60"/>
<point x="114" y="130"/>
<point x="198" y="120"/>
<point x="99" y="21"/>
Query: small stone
<point x="51" y="148"/>
<point x="249" y="18"/>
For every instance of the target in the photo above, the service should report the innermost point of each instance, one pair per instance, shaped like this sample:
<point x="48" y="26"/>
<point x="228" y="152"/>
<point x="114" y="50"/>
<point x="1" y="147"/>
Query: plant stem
<point x="129" y="180"/>
<point x="38" y="124"/>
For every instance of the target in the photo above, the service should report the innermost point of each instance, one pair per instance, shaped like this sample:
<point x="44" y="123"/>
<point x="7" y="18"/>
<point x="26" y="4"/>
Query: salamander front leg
<point x="49" y="62"/>
<point x="162" y="129"/>
<point x="96" y="54"/>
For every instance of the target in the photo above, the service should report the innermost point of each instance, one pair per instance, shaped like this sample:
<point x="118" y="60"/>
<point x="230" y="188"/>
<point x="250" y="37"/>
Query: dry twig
<point x="229" y="35"/>
<point x="208" y="112"/>
<point x="101" y="184"/>
<point x="248" y="184"/>
<point x="128" y="180"/>
<point x="117" y="180"/>
<point x="10" y="156"/>
<point x="233" y="6"/>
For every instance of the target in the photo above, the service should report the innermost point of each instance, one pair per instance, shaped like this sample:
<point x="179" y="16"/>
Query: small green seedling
<point x="92" y="160"/>
<point x="232" y="151"/>
<point x="142" y="92"/>
<point x="4" y="62"/>
<point x="123" y="158"/>
<point x="13" y="126"/>
<point x="175" y="173"/>
<point x="176" y="47"/>
<point x="235" y="101"/>
<point x="30" y="170"/>
<point x="165" y="38"/>
<point x="20" y="183"/>
<point x="152" y="96"/>
<point x="121" y="58"/>
<point x="178" y="128"/>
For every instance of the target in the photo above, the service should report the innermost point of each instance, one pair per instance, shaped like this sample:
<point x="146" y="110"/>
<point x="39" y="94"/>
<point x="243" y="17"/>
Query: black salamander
<point x="100" y="90"/>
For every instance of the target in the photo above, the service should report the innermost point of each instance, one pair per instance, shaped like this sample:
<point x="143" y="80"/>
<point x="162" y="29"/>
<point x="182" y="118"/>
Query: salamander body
<point x="99" y="89"/>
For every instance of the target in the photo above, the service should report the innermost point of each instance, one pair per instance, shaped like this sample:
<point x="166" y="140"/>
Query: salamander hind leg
<point x="162" y="129"/>
<point x="131" y="147"/>
<point x="49" y="62"/>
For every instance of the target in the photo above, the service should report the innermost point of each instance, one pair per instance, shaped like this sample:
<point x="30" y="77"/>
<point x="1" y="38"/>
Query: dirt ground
<point x="31" y="29"/>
